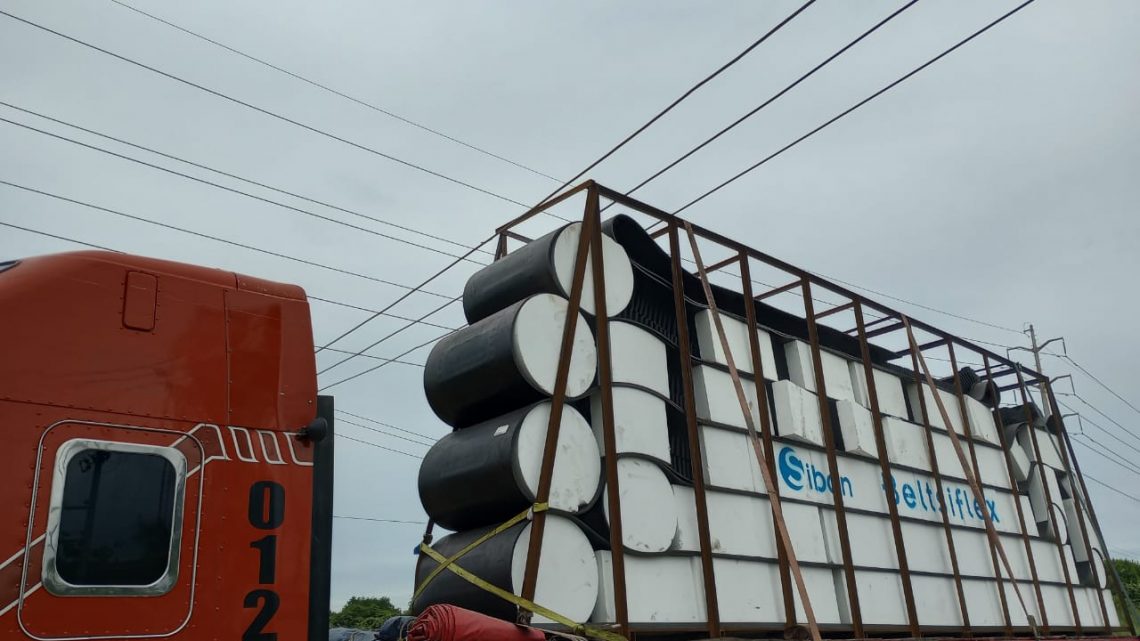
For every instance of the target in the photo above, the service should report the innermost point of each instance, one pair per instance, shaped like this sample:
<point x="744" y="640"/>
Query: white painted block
<point x="991" y="466"/>
<point x="805" y="529"/>
<point x="716" y="398"/>
<point x="659" y="589"/>
<point x="881" y="599"/>
<point x="748" y="591"/>
<point x="640" y="423"/>
<point x="736" y="331"/>
<point x="949" y="401"/>
<point x="857" y="427"/>
<point x="1076" y="539"/>
<point x="948" y="463"/>
<point x="638" y="356"/>
<point x="729" y="460"/>
<point x="797" y="413"/>
<point x="926" y="549"/>
<point x="973" y="550"/>
<point x="982" y="425"/>
<point x="1020" y="461"/>
<point x="1047" y="561"/>
<point x="1056" y="598"/>
<point x="1028" y="524"/>
<point x="1039" y="498"/>
<point x="888" y="388"/>
<point x="983" y="603"/>
<point x="648" y="516"/>
<point x="741" y="525"/>
<point x="688" y="537"/>
<point x="872" y="540"/>
<point x="836" y="373"/>
<point x="1045" y="444"/>
<point x="827" y="592"/>
<point x="906" y="443"/>
<point x="937" y="599"/>
<point x="1016" y="614"/>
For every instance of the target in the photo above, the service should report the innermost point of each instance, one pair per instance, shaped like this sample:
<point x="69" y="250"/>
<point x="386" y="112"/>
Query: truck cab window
<point x="116" y="518"/>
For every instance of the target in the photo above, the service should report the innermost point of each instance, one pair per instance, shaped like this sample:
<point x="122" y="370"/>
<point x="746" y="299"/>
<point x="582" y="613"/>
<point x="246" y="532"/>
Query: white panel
<point x="659" y="589"/>
<point x="729" y="460"/>
<point x="982" y="425"/>
<point x="888" y="388"/>
<point x="736" y="332"/>
<point x="716" y="398"/>
<point x="638" y="356"/>
<point x="948" y="463"/>
<point x="936" y="599"/>
<point x="1038" y="497"/>
<point x="1057" y="526"/>
<point x="687" y="537"/>
<point x="1113" y="617"/>
<point x="906" y="443"/>
<point x="991" y="466"/>
<point x="1029" y="597"/>
<point x="1045" y="443"/>
<point x="742" y="525"/>
<point x="983" y="603"/>
<point x="1057" y="604"/>
<point x="1028" y="525"/>
<point x="881" y="600"/>
<point x="836" y="374"/>
<point x="857" y="427"/>
<point x="1047" y="561"/>
<point x="827" y="593"/>
<point x="806" y="532"/>
<point x="1076" y="539"/>
<point x="926" y="547"/>
<point x="872" y="541"/>
<point x="748" y="591"/>
<point x="797" y="413"/>
<point x="1020" y="461"/>
<point x="949" y="401"/>
<point x="640" y="423"/>
<point x="973" y="550"/>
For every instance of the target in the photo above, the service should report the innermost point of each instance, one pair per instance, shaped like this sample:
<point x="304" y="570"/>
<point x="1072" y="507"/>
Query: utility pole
<point x="1035" y="349"/>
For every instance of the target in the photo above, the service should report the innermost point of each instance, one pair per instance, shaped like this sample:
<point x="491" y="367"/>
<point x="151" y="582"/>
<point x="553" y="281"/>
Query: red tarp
<point x="449" y="623"/>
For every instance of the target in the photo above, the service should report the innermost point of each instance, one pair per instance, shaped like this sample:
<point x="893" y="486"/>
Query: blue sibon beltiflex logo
<point x="799" y="474"/>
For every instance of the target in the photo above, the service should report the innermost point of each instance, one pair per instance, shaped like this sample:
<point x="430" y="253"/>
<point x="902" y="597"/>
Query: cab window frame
<point x="51" y="578"/>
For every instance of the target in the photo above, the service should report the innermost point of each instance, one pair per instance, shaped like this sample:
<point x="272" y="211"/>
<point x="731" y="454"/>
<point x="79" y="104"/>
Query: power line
<point x="1085" y="419"/>
<point x="261" y="110"/>
<point x="1095" y="379"/>
<point x="240" y="178"/>
<point x="366" y="518"/>
<point x="229" y="189"/>
<point x="769" y="101"/>
<point x="679" y="100"/>
<point x="357" y="440"/>
<point x="335" y="92"/>
<point x="1109" y="487"/>
<point x="376" y="367"/>
<point x="208" y="236"/>
<point x="385" y="433"/>
<point x="1098" y="411"/>
<point x="369" y="309"/>
<point x="854" y="107"/>
<point x="388" y="425"/>
<point x="76" y="241"/>
<point x="1109" y="454"/>
<point x="378" y="358"/>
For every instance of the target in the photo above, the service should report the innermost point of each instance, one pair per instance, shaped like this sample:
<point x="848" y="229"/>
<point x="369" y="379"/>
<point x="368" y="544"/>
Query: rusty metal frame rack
<point x="890" y="322"/>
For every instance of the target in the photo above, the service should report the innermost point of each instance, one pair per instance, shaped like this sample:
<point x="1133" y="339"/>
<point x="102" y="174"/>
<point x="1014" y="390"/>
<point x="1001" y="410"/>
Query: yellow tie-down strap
<point x="448" y="563"/>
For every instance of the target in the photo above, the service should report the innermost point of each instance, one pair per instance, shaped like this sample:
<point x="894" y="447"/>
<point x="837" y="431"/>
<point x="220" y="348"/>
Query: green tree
<point x="364" y="613"/>
<point x="1129" y="572"/>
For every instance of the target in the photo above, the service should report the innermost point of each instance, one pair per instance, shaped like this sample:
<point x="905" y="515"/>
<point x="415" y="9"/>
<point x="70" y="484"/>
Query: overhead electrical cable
<point x="218" y="239"/>
<point x="369" y="309"/>
<point x="366" y="518"/>
<point x="390" y="426"/>
<point x="1085" y="419"/>
<point x="57" y="237"/>
<point x="335" y="92"/>
<point x="774" y="98"/>
<point x="262" y="110"/>
<point x="854" y="107"/>
<point x="337" y="350"/>
<point x="1109" y="487"/>
<point x="242" y="179"/>
<point x="384" y="432"/>
<point x="233" y="190"/>
<point x="1095" y="379"/>
<point x="1098" y="411"/>
<point x="376" y="367"/>
<point x="690" y="91"/>
<point x="1109" y="454"/>
<point x="377" y="445"/>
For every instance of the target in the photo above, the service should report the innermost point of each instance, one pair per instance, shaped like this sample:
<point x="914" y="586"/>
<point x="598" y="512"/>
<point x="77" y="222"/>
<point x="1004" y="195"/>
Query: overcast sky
<point x="1001" y="183"/>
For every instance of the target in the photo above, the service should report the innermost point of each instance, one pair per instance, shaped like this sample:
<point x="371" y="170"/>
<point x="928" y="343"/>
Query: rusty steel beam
<point x="712" y="608"/>
<point x="779" y="290"/>
<point x="547" y="204"/>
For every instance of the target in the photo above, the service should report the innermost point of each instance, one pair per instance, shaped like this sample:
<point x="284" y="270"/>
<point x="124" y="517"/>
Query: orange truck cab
<point x="166" y="463"/>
